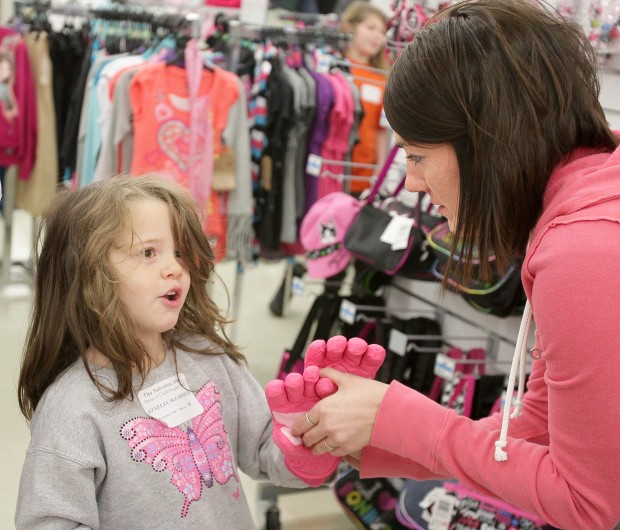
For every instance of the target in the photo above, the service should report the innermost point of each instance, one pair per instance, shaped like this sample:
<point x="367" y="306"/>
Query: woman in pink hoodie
<point x="495" y="103"/>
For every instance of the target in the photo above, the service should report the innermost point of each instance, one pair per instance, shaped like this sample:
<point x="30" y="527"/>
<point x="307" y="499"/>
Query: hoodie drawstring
<point x="519" y="359"/>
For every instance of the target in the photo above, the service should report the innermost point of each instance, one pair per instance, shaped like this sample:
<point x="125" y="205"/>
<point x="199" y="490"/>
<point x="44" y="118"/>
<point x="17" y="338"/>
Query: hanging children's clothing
<point x="161" y="109"/>
<point x="336" y="145"/>
<point x="18" y="107"/>
<point x="33" y="194"/>
<point x="371" y="86"/>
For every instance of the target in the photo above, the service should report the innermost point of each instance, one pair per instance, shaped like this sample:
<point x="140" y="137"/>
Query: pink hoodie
<point x="564" y="450"/>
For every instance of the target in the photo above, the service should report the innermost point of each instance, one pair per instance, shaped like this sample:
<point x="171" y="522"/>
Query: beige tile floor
<point x="261" y="335"/>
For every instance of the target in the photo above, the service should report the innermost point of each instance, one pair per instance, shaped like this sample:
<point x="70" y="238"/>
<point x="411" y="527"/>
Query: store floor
<point x="261" y="335"/>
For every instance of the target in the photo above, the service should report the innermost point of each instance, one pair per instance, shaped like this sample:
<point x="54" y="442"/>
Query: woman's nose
<point x="415" y="183"/>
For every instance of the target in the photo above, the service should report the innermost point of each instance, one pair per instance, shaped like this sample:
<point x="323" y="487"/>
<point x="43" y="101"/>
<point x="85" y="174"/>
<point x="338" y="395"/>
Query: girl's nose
<point x="172" y="268"/>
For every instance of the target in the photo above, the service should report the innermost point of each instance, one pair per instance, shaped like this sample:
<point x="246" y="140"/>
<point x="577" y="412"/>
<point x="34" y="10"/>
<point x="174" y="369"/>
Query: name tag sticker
<point x="371" y="94"/>
<point x="170" y="402"/>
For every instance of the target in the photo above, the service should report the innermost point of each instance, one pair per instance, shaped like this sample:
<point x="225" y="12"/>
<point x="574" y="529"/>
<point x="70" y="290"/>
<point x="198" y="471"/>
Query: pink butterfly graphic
<point x="193" y="457"/>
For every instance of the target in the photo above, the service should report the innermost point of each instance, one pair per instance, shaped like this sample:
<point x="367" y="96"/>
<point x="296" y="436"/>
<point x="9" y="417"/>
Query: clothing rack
<point x="13" y="272"/>
<point x="346" y="63"/>
<point x="287" y="35"/>
<point x="495" y="337"/>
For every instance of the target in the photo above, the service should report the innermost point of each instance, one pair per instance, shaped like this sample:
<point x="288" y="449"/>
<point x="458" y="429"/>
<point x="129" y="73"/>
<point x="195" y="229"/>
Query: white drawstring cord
<point x="522" y="372"/>
<point x="518" y="360"/>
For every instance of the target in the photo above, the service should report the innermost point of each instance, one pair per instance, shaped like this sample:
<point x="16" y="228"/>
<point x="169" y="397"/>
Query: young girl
<point x="141" y="408"/>
<point x="367" y="24"/>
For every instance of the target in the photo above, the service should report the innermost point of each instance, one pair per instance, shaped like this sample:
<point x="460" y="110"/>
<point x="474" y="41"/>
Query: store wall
<point x="6" y="10"/>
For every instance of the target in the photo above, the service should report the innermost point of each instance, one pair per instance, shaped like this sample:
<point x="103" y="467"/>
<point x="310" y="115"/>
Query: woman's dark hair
<point x="514" y="88"/>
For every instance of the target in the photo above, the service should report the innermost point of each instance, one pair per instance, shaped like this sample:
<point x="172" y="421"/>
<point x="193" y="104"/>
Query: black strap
<point x="323" y="313"/>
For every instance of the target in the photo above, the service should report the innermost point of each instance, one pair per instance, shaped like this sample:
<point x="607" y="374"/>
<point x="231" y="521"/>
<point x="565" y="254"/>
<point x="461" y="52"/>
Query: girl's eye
<point x="414" y="158"/>
<point x="177" y="253"/>
<point x="149" y="252"/>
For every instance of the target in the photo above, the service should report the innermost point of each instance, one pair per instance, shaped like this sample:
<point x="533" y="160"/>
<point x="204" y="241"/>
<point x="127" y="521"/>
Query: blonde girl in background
<point x="367" y="25"/>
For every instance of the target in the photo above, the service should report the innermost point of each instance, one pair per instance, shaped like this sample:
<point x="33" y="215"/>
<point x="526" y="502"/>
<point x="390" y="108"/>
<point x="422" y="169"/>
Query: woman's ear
<point x="347" y="27"/>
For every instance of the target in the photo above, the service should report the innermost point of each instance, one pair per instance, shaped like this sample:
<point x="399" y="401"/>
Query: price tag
<point x="298" y="286"/>
<point x="314" y="164"/>
<point x="445" y="367"/>
<point x="347" y="312"/>
<point x="442" y="512"/>
<point x="254" y="12"/>
<point x="398" y="342"/>
<point x="383" y="120"/>
<point x="396" y="233"/>
<point x="323" y="63"/>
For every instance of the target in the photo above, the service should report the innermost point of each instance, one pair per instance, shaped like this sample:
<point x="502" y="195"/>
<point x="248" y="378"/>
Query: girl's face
<point x="368" y="37"/>
<point x="434" y="169"/>
<point x="154" y="279"/>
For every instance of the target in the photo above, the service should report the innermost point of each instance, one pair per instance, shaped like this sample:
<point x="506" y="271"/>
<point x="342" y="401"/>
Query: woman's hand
<point x="342" y="423"/>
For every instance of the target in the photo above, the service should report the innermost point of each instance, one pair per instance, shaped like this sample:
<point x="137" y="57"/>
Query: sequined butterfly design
<point x="194" y="457"/>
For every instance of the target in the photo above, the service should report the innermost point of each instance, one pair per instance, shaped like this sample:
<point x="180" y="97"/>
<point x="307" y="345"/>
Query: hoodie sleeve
<point x="259" y="456"/>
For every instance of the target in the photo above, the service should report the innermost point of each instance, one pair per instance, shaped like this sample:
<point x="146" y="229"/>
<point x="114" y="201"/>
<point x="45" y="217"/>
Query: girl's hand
<point x="342" y="423"/>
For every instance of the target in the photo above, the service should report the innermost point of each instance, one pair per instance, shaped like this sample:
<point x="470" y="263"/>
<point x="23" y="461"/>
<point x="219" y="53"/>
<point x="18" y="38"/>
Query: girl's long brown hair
<point x="76" y="300"/>
<point x="514" y="88"/>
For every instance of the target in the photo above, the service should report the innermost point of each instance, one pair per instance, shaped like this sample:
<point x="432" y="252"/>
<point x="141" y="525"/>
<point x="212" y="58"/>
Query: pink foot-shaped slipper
<point x="288" y="400"/>
<point x="353" y="356"/>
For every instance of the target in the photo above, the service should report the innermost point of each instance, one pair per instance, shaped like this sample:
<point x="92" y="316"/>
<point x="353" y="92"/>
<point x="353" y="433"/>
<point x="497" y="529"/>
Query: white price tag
<point x="298" y="286"/>
<point x="396" y="233"/>
<point x="254" y="12"/>
<point x="383" y="123"/>
<point x="398" y="342"/>
<point x="445" y="367"/>
<point x="323" y="63"/>
<point x="314" y="164"/>
<point x="442" y="512"/>
<point x="347" y="312"/>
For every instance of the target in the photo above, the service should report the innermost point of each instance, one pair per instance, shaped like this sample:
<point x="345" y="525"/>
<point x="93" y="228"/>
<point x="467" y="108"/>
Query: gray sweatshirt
<point x="98" y="464"/>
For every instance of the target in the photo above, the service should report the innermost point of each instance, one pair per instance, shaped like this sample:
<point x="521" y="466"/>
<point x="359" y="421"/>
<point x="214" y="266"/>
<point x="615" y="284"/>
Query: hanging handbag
<point x="501" y="296"/>
<point x="386" y="234"/>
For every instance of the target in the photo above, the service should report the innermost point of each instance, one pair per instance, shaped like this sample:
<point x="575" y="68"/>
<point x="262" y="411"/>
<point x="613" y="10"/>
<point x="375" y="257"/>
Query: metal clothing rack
<point x="492" y="334"/>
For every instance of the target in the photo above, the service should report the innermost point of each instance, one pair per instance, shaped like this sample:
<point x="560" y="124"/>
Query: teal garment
<point x="93" y="138"/>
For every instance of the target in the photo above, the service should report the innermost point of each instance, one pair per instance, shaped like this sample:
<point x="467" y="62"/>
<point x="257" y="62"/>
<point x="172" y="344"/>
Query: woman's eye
<point x="414" y="158"/>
